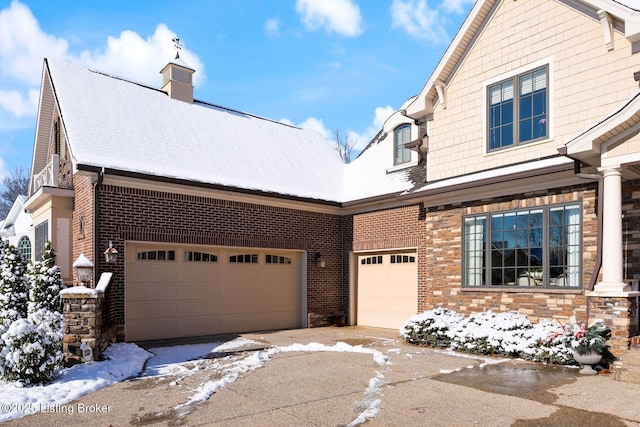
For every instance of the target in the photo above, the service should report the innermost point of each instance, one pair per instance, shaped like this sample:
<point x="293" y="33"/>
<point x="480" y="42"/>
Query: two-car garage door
<point x="176" y="291"/>
<point x="387" y="289"/>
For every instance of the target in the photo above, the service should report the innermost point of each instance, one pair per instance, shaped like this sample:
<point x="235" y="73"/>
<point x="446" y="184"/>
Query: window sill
<point x="515" y="147"/>
<point x="402" y="166"/>
<point x="529" y="290"/>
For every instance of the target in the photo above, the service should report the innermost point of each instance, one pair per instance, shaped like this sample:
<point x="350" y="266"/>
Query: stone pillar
<point x="617" y="314"/>
<point x="83" y="323"/>
<point x="612" y="283"/>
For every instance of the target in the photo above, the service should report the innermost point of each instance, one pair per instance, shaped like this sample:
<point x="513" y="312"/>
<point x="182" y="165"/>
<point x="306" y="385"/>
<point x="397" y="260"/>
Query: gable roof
<point x="131" y="129"/>
<point x="619" y="125"/>
<point x="14" y="213"/>
<point x="119" y="125"/>
<point x="480" y="15"/>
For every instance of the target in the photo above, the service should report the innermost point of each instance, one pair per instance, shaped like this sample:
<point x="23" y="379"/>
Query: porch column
<point x="612" y="263"/>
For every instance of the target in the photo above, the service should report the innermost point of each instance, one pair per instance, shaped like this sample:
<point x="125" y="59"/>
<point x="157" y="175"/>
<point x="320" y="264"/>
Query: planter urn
<point x="587" y="361"/>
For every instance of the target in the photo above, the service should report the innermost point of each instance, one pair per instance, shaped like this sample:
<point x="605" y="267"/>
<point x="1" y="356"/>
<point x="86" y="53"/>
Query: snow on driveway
<point x="126" y="360"/>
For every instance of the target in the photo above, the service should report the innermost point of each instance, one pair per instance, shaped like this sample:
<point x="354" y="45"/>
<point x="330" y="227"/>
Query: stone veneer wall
<point x="83" y="323"/>
<point x="437" y="234"/>
<point x="444" y="260"/>
<point x="619" y="314"/>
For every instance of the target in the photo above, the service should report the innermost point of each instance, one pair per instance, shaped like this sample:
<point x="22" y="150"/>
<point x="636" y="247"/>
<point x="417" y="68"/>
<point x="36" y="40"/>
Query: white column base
<point x="610" y="289"/>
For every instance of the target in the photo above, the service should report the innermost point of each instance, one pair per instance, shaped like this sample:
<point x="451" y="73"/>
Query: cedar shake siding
<point x="128" y="214"/>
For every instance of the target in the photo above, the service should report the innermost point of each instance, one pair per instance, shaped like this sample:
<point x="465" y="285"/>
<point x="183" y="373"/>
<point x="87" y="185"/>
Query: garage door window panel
<point x="157" y="255"/>
<point x="244" y="259"/>
<point x="193" y="256"/>
<point x="276" y="259"/>
<point x="377" y="259"/>
<point x="400" y="259"/>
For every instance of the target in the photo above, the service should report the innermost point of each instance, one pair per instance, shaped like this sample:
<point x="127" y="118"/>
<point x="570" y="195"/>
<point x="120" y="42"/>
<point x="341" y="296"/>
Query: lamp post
<point x="84" y="270"/>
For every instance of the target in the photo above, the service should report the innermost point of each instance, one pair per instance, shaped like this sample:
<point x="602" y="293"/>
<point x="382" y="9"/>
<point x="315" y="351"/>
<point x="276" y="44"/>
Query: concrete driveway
<point x="279" y="379"/>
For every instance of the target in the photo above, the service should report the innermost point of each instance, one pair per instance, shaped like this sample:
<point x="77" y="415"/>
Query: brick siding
<point x="156" y="216"/>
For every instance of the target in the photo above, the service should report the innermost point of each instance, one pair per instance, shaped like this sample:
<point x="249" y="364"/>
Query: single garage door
<point x="387" y="289"/>
<point x="187" y="291"/>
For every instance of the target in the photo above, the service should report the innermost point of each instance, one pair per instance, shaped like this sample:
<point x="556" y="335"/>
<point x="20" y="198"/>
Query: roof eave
<point x="464" y="38"/>
<point x="587" y="146"/>
<point x="170" y="180"/>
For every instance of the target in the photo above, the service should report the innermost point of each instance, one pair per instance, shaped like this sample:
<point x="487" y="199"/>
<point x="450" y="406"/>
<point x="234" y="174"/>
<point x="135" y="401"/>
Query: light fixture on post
<point x="84" y="270"/>
<point x="111" y="254"/>
<point x="320" y="260"/>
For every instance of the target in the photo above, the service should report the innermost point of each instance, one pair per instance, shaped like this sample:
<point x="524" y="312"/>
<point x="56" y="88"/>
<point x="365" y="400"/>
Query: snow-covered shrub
<point x="32" y="348"/>
<point x="31" y="327"/>
<point x="508" y="334"/>
<point x="578" y="337"/>
<point x="44" y="280"/>
<point x="13" y="286"/>
<point x="431" y="328"/>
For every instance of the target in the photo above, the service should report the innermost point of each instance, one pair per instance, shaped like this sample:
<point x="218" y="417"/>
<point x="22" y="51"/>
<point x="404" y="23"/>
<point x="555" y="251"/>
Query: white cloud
<point x="338" y="16"/>
<point x="418" y="20"/>
<point x="361" y="139"/>
<point x="18" y="105"/>
<point x="456" y="6"/>
<point x="272" y="27"/>
<point x="136" y="58"/>
<point x="24" y="45"/>
<point x="3" y="169"/>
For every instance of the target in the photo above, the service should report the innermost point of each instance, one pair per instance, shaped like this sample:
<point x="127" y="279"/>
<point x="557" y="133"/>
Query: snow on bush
<point x="31" y="327"/>
<point x="13" y="286"/>
<point x="508" y="334"/>
<point x="432" y="328"/>
<point x="32" y="349"/>
<point x="45" y="282"/>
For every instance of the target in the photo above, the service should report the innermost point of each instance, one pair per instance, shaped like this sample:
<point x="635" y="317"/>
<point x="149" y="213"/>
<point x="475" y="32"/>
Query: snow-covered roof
<point x="17" y="209"/>
<point x="124" y="126"/>
<point x="367" y="175"/>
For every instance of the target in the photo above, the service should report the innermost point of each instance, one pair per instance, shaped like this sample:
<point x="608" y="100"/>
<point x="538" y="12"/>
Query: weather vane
<point x="178" y="45"/>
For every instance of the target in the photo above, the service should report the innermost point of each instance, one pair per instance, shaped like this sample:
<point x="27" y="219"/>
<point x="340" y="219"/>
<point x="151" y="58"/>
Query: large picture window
<point x="518" y="110"/>
<point x="529" y="247"/>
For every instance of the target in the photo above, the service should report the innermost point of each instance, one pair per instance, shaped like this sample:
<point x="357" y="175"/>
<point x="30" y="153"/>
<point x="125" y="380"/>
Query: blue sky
<point x="325" y="64"/>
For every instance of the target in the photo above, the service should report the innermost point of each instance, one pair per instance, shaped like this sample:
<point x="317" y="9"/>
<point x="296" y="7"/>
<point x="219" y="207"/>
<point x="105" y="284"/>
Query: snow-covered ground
<point x="125" y="360"/>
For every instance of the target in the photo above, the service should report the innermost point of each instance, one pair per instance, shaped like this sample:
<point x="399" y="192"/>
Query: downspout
<point x="96" y="199"/>
<point x="599" y="179"/>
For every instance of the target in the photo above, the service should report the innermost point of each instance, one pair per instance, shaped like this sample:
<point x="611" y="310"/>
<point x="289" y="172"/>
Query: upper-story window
<point x="518" y="110"/>
<point x="401" y="135"/>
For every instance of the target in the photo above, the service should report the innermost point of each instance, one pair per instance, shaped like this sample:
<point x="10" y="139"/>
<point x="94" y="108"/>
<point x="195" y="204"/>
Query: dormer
<point x="177" y="80"/>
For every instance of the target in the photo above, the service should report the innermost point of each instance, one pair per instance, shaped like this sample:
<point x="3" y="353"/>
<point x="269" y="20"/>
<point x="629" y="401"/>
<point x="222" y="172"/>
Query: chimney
<point x="177" y="80"/>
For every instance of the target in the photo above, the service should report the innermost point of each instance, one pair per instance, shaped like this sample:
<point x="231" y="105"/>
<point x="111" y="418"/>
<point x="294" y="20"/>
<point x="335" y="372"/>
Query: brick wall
<point x="82" y="221"/>
<point x="155" y="216"/>
<point x="392" y="229"/>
